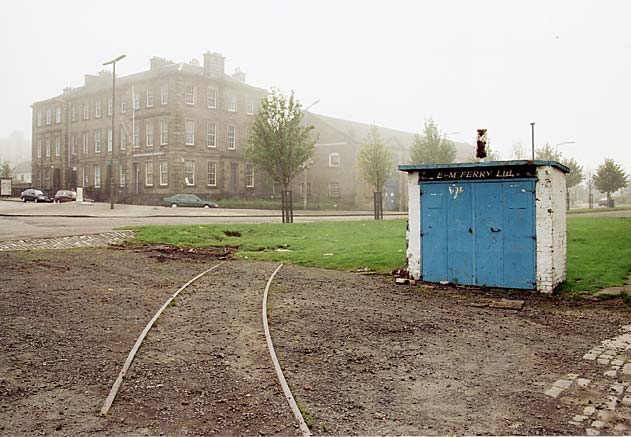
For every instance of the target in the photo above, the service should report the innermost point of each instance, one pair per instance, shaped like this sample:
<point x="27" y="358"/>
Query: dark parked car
<point x="34" y="195"/>
<point x="188" y="200"/>
<point x="65" y="196"/>
<point x="603" y="202"/>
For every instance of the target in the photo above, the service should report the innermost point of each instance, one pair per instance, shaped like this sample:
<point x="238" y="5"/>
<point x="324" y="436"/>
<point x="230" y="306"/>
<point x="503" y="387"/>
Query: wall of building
<point x="551" y="228"/>
<point x="413" y="233"/>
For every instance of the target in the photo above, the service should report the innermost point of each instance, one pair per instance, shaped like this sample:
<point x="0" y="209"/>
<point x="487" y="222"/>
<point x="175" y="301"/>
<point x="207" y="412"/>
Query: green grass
<point x="378" y="245"/>
<point x="599" y="248"/>
<point x="598" y="252"/>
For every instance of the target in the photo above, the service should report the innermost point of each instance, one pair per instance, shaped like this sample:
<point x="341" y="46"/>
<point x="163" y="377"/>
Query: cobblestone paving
<point x="602" y="402"/>
<point x="71" y="242"/>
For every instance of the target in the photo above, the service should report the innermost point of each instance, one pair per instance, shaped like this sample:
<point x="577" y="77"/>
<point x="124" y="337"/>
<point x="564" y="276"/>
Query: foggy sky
<point x="565" y="65"/>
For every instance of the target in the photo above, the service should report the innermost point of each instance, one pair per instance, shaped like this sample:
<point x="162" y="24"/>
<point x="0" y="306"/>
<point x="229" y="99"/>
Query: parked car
<point x="188" y="200"/>
<point x="33" y="195"/>
<point x="65" y="196"/>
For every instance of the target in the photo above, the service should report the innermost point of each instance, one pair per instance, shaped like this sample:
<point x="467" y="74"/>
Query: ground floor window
<point x="302" y="189"/>
<point x="189" y="173"/>
<point x="212" y="173"/>
<point x="149" y="174"/>
<point x="164" y="173"/>
<point x="249" y="176"/>
<point x="334" y="189"/>
<point x="123" y="176"/>
<point x="97" y="176"/>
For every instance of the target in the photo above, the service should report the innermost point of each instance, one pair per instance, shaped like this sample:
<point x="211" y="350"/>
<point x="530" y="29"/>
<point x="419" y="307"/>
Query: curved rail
<point x="281" y="378"/>
<point x="119" y="380"/>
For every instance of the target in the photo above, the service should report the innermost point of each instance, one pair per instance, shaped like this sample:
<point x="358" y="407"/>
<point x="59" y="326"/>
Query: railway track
<point x="134" y="352"/>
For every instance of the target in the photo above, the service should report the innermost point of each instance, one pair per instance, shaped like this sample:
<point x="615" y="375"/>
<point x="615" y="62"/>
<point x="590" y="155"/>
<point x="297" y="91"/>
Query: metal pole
<point x="304" y="190"/>
<point x="532" y="125"/>
<point x="112" y="151"/>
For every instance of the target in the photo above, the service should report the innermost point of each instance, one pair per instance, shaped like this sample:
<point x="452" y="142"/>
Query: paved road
<point x="30" y="220"/>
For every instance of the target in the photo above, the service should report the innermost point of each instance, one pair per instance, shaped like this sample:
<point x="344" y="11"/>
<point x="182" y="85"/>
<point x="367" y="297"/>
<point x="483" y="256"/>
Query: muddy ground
<point x="362" y="355"/>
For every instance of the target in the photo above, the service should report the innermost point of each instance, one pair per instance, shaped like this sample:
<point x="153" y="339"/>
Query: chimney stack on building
<point x="238" y="74"/>
<point x="157" y="62"/>
<point x="214" y="65"/>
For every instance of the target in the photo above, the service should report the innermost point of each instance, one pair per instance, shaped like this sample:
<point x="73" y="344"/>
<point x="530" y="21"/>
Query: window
<point x="232" y="104"/>
<point x="211" y="130"/>
<point x="189" y="95"/>
<point x="97" y="176"/>
<point x="86" y="111"/>
<point x="58" y="145"/>
<point x="73" y="144"/>
<point x="85" y="143"/>
<point x="123" y="176"/>
<point x="123" y="104"/>
<point x="149" y="174"/>
<point x="124" y="136"/>
<point x="334" y="159"/>
<point x="232" y="138"/>
<point x="47" y="147"/>
<point x="251" y="107"/>
<point x="85" y="177"/>
<point x="249" y="176"/>
<point x="164" y="94"/>
<point x="164" y="132"/>
<point x="164" y="173"/>
<point x="109" y="107"/>
<point x="49" y="115"/>
<point x="74" y="113"/>
<point x="39" y="148"/>
<point x="58" y="114"/>
<point x="47" y="177"/>
<point x="97" y="141"/>
<point x="135" y="100"/>
<point x="212" y="97"/>
<point x="189" y="132"/>
<point x="189" y="173"/>
<point x="97" y="109"/>
<point x="39" y="118"/>
<point x="149" y="133"/>
<point x="149" y="98"/>
<point x="109" y="139"/>
<point x="135" y="141"/>
<point x="212" y="174"/>
<point x="302" y="189"/>
<point x="334" y="189"/>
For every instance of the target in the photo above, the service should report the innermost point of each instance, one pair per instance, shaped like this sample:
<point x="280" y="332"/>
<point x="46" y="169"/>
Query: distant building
<point x="333" y="177"/>
<point x="22" y="173"/>
<point x="179" y="128"/>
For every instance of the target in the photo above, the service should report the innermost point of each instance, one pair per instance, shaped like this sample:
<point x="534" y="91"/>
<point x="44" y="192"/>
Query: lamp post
<point x="532" y="129"/>
<point x="113" y="62"/>
<point x="305" y="166"/>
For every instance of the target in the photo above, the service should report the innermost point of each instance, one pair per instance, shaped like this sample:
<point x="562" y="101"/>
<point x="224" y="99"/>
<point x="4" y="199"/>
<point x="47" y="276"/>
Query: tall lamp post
<point x="532" y="130"/>
<point x="306" y="165"/>
<point x="113" y="62"/>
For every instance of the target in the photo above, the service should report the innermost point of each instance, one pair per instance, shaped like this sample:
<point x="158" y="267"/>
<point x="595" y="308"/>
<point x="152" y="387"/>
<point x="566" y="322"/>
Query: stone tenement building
<point x="179" y="128"/>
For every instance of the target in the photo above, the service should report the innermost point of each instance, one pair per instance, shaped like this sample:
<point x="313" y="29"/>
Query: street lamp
<point x="313" y="104"/>
<point x="113" y="62"/>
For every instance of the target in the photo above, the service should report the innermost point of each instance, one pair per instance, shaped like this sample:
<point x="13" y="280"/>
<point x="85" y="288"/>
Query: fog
<point x="564" y="65"/>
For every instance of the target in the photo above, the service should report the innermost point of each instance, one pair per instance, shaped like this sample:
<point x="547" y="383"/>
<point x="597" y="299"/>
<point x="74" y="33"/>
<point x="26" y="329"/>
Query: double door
<point x="479" y="233"/>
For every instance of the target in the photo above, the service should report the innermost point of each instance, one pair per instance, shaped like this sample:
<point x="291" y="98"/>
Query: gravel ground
<point x="361" y="354"/>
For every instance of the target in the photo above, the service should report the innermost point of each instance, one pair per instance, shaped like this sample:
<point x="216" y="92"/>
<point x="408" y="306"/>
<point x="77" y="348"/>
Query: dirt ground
<point x="362" y="355"/>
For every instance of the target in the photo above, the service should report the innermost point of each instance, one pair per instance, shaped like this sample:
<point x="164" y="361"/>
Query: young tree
<point x="576" y="175"/>
<point x="548" y="153"/>
<point x="376" y="165"/>
<point x="6" y="171"/>
<point x="432" y="147"/>
<point x="280" y="144"/>
<point x="609" y="178"/>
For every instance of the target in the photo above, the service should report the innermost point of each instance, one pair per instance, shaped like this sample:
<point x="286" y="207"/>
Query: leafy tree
<point x="375" y="163"/>
<point x="280" y="144"/>
<point x="609" y="178"/>
<point x="432" y="147"/>
<point x="548" y="153"/>
<point x="518" y="151"/>
<point x="576" y="175"/>
<point x="6" y="171"/>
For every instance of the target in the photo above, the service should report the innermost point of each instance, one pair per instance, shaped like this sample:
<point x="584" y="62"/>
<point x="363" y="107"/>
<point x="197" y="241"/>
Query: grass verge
<point x="598" y="254"/>
<point x="587" y="210"/>
<point x="376" y="245"/>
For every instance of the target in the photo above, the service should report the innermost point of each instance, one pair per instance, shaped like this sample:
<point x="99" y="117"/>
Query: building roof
<point x="104" y="80"/>
<point x="537" y="162"/>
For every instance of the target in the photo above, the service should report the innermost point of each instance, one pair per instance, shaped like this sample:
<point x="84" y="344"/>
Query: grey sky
<point x="497" y="64"/>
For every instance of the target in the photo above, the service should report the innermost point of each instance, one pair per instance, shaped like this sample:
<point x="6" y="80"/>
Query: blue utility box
<point x="495" y="224"/>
